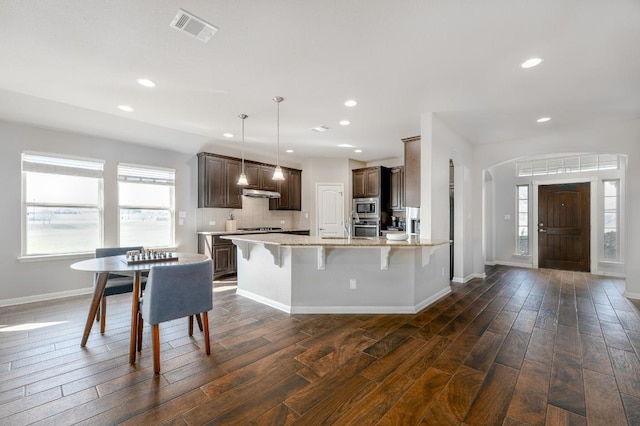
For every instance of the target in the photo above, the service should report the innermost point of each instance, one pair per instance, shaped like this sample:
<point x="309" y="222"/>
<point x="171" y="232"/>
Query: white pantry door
<point x="330" y="208"/>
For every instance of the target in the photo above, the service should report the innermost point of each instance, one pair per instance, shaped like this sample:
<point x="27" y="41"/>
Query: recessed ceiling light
<point x="543" y="119"/>
<point x="146" y="82"/>
<point x="320" y="129"/>
<point x="357" y="150"/>
<point x="345" y="145"/>
<point x="531" y="62"/>
<point x="345" y="122"/>
<point x="350" y="103"/>
<point x="289" y="151"/>
<point x="228" y="135"/>
<point x="126" y="108"/>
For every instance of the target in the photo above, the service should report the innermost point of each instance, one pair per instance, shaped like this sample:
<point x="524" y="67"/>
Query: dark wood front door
<point x="563" y="226"/>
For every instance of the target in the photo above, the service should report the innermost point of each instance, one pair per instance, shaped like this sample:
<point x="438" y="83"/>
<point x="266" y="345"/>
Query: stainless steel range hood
<point x="259" y="193"/>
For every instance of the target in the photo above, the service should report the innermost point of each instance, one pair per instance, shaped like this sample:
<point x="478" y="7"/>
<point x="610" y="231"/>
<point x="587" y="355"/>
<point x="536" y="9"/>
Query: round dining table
<point x="103" y="266"/>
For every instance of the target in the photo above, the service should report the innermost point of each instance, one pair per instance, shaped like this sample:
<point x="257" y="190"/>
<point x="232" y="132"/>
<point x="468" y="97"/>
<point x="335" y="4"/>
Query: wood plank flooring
<point x="518" y="347"/>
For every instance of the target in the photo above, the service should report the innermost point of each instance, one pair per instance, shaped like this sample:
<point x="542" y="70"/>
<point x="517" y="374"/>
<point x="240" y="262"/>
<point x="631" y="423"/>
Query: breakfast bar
<point x="309" y="274"/>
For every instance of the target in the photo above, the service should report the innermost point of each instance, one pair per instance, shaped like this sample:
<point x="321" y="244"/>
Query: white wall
<point x="26" y="281"/>
<point x="439" y="144"/>
<point x="324" y="170"/>
<point x="611" y="137"/>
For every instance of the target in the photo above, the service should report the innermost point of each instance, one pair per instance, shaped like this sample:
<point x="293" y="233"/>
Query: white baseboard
<point x="45" y="297"/>
<point x="631" y="295"/>
<point x="517" y="264"/>
<point x="260" y="299"/>
<point x="344" y="309"/>
<point x="610" y="274"/>
<point x="469" y="278"/>
<point x="430" y="300"/>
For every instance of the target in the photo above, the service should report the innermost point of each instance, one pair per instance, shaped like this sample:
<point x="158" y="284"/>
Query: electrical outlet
<point x="212" y="223"/>
<point x="353" y="284"/>
<point x="180" y="221"/>
<point x="282" y="222"/>
<point x="306" y="215"/>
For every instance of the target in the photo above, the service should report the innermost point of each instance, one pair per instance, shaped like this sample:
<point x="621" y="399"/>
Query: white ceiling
<point x="68" y="64"/>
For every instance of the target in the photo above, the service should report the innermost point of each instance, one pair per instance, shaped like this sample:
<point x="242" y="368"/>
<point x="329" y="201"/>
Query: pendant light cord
<point x="278" y="151"/>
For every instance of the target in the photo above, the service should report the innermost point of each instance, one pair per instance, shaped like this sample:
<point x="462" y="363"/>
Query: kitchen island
<point x="309" y="274"/>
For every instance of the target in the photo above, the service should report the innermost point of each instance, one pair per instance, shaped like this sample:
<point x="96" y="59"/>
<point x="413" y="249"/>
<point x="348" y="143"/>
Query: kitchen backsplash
<point x="254" y="213"/>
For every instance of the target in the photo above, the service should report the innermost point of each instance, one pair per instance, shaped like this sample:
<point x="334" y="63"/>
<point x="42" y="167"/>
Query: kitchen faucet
<point x="348" y="226"/>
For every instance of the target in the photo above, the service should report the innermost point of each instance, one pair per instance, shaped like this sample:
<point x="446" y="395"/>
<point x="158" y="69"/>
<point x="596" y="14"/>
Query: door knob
<point x="542" y="230"/>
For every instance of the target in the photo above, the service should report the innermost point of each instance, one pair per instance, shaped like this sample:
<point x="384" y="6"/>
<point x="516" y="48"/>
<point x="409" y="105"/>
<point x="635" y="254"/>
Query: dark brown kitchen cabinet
<point x="211" y="182"/>
<point x="253" y="173"/>
<point x="217" y="182"/>
<point x="266" y="178"/>
<point x="223" y="253"/>
<point x="290" y="190"/>
<point x="412" y="171"/>
<point x="233" y="191"/>
<point x="367" y="182"/>
<point x="396" y="190"/>
<point x="295" y="190"/>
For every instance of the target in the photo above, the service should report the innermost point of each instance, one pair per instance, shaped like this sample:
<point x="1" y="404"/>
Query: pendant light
<point x="277" y="174"/>
<point x="242" y="180"/>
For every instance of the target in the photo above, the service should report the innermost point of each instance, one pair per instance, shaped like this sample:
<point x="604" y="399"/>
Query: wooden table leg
<point x="135" y="301"/>
<point x="98" y="291"/>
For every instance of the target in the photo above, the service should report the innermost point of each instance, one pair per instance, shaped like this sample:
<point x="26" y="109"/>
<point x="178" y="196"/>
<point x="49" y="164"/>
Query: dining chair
<point x="116" y="283"/>
<point x="176" y="291"/>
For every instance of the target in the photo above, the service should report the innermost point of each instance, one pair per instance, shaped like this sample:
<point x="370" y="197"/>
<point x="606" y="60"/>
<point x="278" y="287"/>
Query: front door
<point x="563" y="226"/>
<point x="330" y="208"/>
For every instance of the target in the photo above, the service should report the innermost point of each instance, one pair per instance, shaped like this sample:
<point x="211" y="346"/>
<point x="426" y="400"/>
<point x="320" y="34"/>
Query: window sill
<point x="521" y="256"/>
<point x="50" y="257"/>
<point x="610" y="262"/>
<point x="65" y="256"/>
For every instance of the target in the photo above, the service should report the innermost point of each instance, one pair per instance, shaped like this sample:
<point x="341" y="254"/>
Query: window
<point x="62" y="204"/>
<point x="522" y="237"/>
<point x="611" y="208"/>
<point x="561" y="165"/>
<point x="146" y="202"/>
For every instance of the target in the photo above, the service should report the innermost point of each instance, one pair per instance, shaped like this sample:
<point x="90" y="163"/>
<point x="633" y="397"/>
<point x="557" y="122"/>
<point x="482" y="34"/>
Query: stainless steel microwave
<point x="367" y="207"/>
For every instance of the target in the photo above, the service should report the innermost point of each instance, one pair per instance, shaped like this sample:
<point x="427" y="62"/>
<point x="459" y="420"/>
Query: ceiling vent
<point x="192" y="25"/>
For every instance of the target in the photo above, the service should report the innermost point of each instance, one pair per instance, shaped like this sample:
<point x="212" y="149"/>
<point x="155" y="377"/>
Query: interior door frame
<point x="593" y="232"/>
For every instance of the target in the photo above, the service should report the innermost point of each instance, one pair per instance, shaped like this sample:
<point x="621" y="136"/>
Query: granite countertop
<point x="304" y="240"/>
<point x="247" y="232"/>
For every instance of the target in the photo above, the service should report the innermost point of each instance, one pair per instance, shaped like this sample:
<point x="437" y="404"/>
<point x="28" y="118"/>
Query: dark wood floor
<point x="519" y="347"/>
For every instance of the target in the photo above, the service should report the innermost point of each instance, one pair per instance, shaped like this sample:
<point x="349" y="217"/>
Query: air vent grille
<point x="192" y="25"/>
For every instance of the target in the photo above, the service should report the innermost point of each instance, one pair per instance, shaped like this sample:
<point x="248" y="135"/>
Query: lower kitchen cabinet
<point x="222" y="252"/>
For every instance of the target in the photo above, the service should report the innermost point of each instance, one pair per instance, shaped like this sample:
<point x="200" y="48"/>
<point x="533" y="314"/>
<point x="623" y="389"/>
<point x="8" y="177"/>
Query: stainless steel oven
<point x="367" y="207"/>
<point x="366" y="228"/>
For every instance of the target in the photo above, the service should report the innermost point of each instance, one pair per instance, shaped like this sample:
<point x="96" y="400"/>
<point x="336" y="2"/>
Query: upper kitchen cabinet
<point x="396" y="190"/>
<point x="412" y="171"/>
<point x="217" y="181"/>
<point x="252" y="171"/>
<point x="259" y="176"/>
<point x="369" y="182"/>
<point x="266" y="178"/>
<point x="290" y="190"/>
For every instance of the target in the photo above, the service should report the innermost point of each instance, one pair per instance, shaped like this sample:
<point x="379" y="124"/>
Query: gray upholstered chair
<point x="176" y="291"/>
<point x="116" y="284"/>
